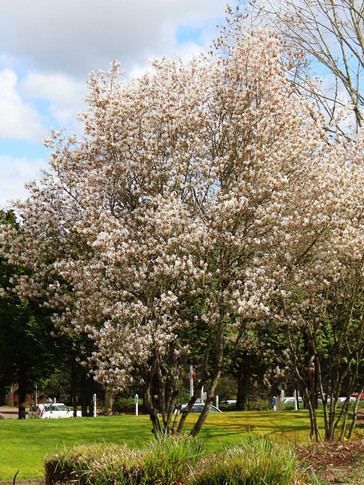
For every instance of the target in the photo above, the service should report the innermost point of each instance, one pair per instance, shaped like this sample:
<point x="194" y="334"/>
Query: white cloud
<point x="56" y="87"/>
<point x="64" y="94"/>
<point x="77" y="37"/>
<point x="48" y="48"/>
<point x="19" y="119"/>
<point x="15" y="172"/>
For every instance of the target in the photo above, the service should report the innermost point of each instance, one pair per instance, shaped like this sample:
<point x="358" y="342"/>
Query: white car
<point x="57" y="410"/>
<point x="198" y="407"/>
<point x="291" y="400"/>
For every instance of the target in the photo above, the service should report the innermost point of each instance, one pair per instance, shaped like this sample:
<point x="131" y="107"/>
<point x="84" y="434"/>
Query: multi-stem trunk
<point x="215" y="375"/>
<point x="355" y="414"/>
<point x="149" y="401"/>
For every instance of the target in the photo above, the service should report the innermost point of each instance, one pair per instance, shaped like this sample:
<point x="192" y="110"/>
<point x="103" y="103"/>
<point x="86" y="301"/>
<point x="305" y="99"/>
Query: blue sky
<point x="48" y="48"/>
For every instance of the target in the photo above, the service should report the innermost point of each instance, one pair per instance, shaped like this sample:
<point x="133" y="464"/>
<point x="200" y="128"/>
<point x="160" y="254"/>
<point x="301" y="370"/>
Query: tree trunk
<point x="243" y="379"/>
<point x="109" y="402"/>
<point x="83" y="395"/>
<point x="153" y="413"/>
<point x="355" y="414"/>
<point x="22" y="391"/>
<point x="315" y="432"/>
<point x="149" y="402"/>
<point x="74" y="387"/>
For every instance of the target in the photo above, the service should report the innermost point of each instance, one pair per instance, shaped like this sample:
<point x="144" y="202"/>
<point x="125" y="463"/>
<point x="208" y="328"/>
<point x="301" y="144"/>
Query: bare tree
<point x="324" y="41"/>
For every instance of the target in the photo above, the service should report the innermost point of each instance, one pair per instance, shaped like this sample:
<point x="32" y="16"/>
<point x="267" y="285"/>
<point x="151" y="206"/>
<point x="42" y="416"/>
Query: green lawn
<point x="23" y="444"/>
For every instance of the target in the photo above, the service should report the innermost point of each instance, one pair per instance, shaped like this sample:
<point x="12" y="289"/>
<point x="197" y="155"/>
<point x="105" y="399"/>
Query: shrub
<point x="163" y="462"/>
<point x="258" y="461"/>
<point x="289" y="406"/>
<point x="123" y="405"/>
<point x="227" y="407"/>
<point x="260" y="405"/>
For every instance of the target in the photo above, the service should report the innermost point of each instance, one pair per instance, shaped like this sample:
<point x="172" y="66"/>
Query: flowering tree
<point x="326" y="303"/>
<point x="318" y="316"/>
<point x="171" y="220"/>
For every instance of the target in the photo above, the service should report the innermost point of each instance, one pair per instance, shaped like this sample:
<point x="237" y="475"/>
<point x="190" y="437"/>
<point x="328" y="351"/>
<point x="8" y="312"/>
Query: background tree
<point x="28" y="349"/>
<point x="32" y="350"/>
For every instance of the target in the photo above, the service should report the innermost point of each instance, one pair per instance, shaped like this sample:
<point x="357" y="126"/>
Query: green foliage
<point x="32" y="350"/>
<point x="227" y="388"/>
<point x="257" y="461"/>
<point x="162" y="462"/>
<point x="8" y="217"/>
<point x="124" y="405"/>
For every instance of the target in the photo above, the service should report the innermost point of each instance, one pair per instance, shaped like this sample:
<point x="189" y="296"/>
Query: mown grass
<point x="23" y="444"/>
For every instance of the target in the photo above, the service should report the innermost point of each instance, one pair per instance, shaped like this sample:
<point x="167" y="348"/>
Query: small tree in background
<point x="28" y="348"/>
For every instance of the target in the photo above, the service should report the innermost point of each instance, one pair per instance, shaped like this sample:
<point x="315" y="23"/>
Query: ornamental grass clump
<point x="164" y="462"/>
<point x="257" y="461"/>
<point x="168" y="460"/>
<point x="94" y="464"/>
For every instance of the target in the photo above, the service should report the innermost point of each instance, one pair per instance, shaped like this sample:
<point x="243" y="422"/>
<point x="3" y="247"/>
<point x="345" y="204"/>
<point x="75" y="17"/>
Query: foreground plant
<point x="165" y="462"/>
<point x="175" y="460"/>
<point x="256" y="461"/>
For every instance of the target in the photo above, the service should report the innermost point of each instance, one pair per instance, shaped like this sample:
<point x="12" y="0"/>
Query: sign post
<point x="191" y="376"/>
<point x="295" y="394"/>
<point x="136" y="404"/>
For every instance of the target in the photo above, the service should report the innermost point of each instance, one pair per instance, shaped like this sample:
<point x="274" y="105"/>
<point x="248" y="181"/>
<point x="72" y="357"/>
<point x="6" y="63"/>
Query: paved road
<point x="29" y="481"/>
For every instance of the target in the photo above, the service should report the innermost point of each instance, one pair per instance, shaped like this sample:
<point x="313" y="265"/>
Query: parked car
<point x="291" y="400"/>
<point x="198" y="407"/>
<point x="51" y="411"/>
<point x="355" y="395"/>
<point x="339" y="399"/>
<point x="58" y="410"/>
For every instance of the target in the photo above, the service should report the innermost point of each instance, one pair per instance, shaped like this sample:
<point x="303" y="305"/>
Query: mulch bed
<point x="337" y="463"/>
